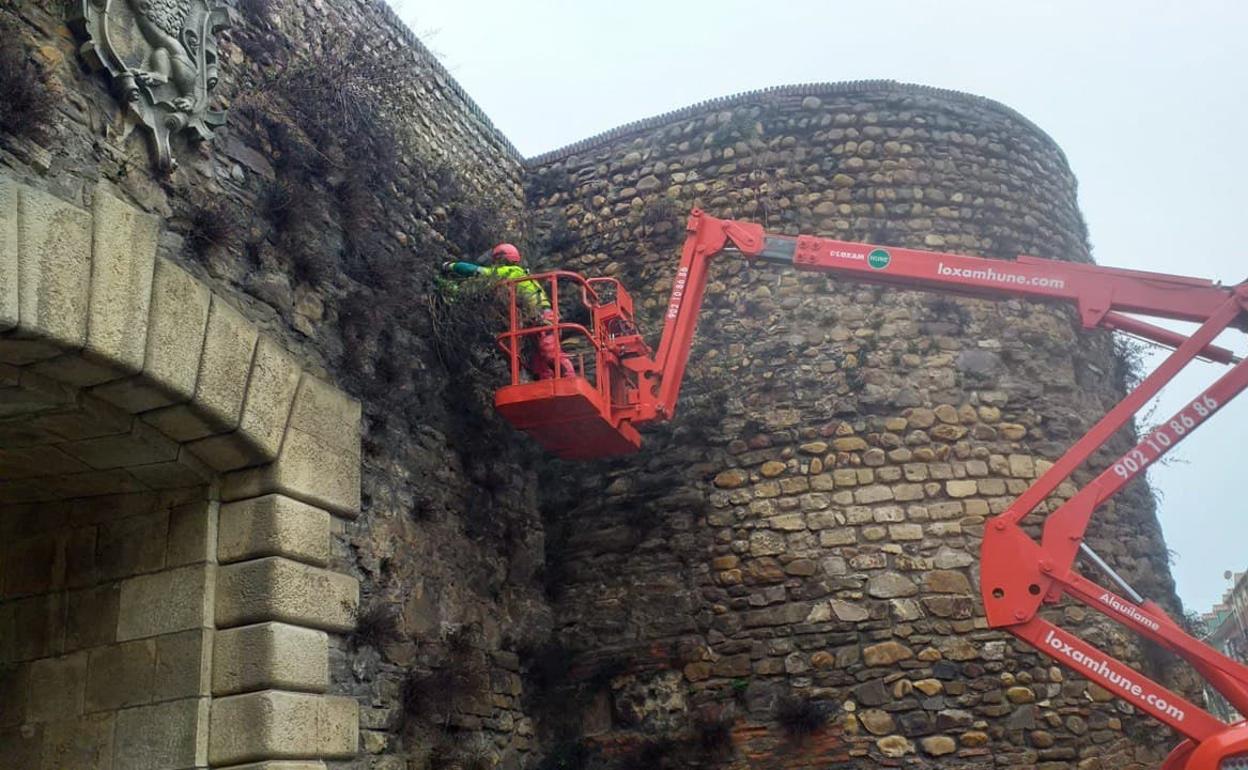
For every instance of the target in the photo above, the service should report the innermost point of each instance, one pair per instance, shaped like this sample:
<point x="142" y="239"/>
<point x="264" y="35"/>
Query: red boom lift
<point x="623" y="384"/>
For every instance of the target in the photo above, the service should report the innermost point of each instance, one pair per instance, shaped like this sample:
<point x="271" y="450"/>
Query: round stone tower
<point x="789" y="569"/>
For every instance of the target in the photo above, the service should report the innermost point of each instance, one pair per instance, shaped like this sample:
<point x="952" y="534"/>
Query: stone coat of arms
<point x="161" y="56"/>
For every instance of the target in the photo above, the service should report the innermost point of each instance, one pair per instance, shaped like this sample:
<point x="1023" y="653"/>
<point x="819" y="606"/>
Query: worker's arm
<point x="465" y="268"/>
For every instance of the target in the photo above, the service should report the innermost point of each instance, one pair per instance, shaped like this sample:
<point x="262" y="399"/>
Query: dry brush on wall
<point x="800" y="542"/>
<point x="785" y="578"/>
<point x="27" y="97"/>
<point x="350" y="167"/>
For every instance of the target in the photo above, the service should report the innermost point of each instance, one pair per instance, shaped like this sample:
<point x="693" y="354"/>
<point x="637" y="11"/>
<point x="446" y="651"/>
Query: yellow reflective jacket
<point x="531" y="292"/>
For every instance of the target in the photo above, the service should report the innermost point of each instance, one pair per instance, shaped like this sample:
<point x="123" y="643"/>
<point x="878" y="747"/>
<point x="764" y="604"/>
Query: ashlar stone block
<point x="221" y="383"/>
<point x="34" y="565"/>
<point x="123" y="266"/>
<point x="273" y="525"/>
<point x="275" y="588"/>
<point x="192" y="533"/>
<point x="91" y="618"/>
<point x="14" y="694"/>
<point x="56" y="688"/>
<point x="143" y="445"/>
<point x="91" y="418"/>
<point x="112" y="507"/>
<point x="183" y="470"/>
<point x="274" y="724"/>
<point x="132" y="545"/>
<point x="121" y="675"/>
<point x="320" y="456"/>
<point x="38" y="628"/>
<point x="37" y="461"/>
<point x="54" y="278"/>
<point x="21" y="746"/>
<point x="162" y="736"/>
<point x="34" y="395"/>
<point x="84" y="743"/>
<point x="270" y="656"/>
<point x="266" y="408"/>
<point x="281" y="765"/>
<point x="165" y="602"/>
<point x="175" y="341"/>
<point x="326" y="413"/>
<point x="8" y="635"/>
<point x="122" y="262"/>
<point x="183" y="664"/>
<point x="89" y="484"/>
<point x="307" y="469"/>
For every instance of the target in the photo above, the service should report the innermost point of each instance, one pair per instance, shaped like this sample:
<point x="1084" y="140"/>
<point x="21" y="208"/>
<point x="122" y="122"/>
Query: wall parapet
<point x="845" y="88"/>
<point x="444" y="77"/>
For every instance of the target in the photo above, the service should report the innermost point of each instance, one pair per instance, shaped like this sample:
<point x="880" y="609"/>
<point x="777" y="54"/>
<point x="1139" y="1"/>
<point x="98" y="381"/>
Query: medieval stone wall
<point x="350" y="167"/>
<point x="799" y="546"/>
<point x="794" y="554"/>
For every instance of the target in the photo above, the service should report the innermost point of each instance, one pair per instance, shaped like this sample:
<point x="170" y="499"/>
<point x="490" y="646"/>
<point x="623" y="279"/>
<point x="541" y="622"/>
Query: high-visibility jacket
<point x="530" y="291"/>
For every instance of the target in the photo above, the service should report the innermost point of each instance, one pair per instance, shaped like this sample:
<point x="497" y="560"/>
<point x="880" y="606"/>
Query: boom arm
<point x="1101" y="294"/>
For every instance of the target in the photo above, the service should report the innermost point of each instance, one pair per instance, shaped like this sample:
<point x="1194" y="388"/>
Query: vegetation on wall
<point x="28" y="98"/>
<point x="212" y="225"/>
<point x="435" y="695"/>
<point x="799" y="716"/>
<point x="345" y="207"/>
<point x="361" y="209"/>
<point x="375" y="626"/>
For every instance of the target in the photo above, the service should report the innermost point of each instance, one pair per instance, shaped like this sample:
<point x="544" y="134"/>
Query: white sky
<point x="1148" y="99"/>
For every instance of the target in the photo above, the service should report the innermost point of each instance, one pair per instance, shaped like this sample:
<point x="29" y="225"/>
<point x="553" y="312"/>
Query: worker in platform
<point x="506" y="266"/>
<point x="534" y="305"/>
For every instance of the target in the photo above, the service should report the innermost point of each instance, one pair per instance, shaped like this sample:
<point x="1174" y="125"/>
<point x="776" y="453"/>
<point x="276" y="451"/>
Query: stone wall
<point x="97" y="669"/>
<point x="324" y="236"/>
<point x="170" y="476"/>
<point x="799" y="545"/>
<point x="797" y="549"/>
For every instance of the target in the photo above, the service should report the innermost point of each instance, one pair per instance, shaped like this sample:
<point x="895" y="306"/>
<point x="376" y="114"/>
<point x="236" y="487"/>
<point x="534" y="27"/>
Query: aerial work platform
<point x="582" y="416"/>
<point x="567" y="416"/>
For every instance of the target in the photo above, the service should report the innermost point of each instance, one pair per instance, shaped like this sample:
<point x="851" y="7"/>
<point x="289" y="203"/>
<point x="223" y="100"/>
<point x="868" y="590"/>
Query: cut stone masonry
<point x="171" y="480"/>
<point x="183" y="548"/>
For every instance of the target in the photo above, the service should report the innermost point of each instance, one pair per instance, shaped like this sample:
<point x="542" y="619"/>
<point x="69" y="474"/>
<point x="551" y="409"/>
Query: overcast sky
<point x="1147" y="98"/>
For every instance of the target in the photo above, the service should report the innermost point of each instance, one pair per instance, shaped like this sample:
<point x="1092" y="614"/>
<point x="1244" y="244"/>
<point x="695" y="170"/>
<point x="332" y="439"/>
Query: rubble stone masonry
<point x="256" y="510"/>
<point x="808" y="526"/>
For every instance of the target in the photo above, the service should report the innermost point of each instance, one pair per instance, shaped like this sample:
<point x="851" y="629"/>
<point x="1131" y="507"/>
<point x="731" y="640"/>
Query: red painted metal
<point x="1150" y="620"/>
<point x="589" y="415"/>
<point x="1171" y="339"/>
<point x="596" y="413"/>
<point x="707" y="238"/>
<point x="1213" y="753"/>
<point x="566" y="416"/>
<point x="1124" y="681"/>
<point x="1177" y="759"/>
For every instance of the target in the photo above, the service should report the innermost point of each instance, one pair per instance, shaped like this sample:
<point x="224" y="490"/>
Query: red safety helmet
<point x="506" y="252"/>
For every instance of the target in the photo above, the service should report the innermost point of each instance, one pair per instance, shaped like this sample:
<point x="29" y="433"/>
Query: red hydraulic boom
<point x="619" y="384"/>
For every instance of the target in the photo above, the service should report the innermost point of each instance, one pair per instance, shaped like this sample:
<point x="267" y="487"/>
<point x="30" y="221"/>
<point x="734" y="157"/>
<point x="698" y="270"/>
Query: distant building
<point x="1226" y="629"/>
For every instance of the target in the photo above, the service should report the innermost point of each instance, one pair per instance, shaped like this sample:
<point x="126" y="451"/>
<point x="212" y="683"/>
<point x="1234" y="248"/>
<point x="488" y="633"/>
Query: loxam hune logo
<point x="879" y="259"/>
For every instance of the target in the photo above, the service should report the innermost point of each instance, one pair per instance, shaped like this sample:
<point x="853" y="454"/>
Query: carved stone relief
<point x="161" y="56"/>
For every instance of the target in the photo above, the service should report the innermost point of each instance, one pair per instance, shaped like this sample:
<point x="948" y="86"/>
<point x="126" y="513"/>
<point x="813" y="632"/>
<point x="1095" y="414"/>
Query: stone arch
<point x="169" y="480"/>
